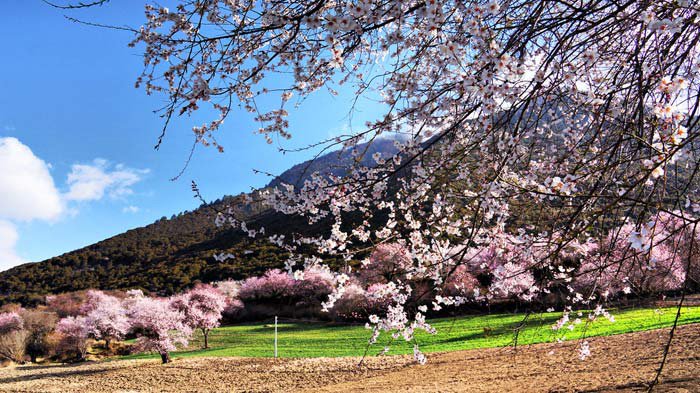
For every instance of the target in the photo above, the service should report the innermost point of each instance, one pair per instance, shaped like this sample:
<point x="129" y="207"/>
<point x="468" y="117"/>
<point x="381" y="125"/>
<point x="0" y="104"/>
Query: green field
<point x="468" y="332"/>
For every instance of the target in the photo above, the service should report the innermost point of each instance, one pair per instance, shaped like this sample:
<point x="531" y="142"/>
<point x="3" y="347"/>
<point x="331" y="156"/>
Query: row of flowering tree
<point x="585" y="272"/>
<point x="158" y="324"/>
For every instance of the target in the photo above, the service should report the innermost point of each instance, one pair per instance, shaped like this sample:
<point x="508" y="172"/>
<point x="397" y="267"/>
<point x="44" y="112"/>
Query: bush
<point x="10" y="321"/>
<point x="38" y="325"/>
<point x="13" y="337"/>
<point x="12" y="346"/>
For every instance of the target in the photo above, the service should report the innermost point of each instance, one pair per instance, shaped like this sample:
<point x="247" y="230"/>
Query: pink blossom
<point x="515" y="149"/>
<point x="461" y="282"/>
<point x="105" y="316"/>
<point x="618" y="265"/>
<point x="275" y="284"/>
<point x="234" y="306"/>
<point x="386" y="263"/>
<point x="157" y="325"/>
<point x="10" y="322"/>
<point x="201" y="308"/>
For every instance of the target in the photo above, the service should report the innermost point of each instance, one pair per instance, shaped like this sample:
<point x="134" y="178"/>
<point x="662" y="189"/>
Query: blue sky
<point x="68" y="100"/>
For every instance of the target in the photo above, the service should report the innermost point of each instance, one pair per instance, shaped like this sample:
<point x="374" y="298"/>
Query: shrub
<point x="38" y="325"/>
<point x="9" y="322"/>
<point x="12" y="337"/>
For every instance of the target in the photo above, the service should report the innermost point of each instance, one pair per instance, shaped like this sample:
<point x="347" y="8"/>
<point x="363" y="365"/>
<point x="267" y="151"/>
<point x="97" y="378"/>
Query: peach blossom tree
<point x="201" y="308"/>
<point x="157" y="325"/>
<point x="106" y="317"/>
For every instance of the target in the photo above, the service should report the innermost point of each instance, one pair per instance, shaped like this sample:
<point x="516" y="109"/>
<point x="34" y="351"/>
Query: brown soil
<point x="624" y="363"/>
<point x="618" y="363"/>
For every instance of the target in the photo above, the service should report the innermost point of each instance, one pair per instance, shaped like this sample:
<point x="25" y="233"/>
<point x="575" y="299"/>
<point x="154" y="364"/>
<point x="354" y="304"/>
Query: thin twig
<point x="678" y="315"/>
<point x="73" y="6"/>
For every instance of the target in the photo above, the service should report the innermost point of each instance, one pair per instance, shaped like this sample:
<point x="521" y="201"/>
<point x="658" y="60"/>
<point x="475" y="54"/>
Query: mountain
<point x="335" y="163"/>
<point x="174" y="253"/>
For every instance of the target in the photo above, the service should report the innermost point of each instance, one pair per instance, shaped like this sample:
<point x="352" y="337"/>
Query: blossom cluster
<point x="9" y="322"/>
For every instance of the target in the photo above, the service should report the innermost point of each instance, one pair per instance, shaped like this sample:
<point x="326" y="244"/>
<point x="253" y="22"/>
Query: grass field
<point x="468" y="332"/>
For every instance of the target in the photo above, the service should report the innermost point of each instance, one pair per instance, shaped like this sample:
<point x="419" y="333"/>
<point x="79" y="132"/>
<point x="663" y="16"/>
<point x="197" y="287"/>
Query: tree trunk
<point x="165" y="357"/>
<point x="205" y="332"/>
<point x="108" y="344"/>
<point x="33" y="357"/>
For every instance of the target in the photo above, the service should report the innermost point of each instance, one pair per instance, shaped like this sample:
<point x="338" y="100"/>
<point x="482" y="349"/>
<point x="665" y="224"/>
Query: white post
<point x="275" y="336"/>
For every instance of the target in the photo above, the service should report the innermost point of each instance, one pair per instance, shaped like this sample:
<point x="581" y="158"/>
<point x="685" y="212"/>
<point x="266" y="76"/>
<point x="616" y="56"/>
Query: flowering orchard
<point x="158" y="324"/>
<point x="531" y="124"/>
<point x="527" y="128"/>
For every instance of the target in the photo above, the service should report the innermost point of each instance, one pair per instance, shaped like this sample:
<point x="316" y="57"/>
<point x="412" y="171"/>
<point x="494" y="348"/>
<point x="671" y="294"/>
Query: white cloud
<point x="27" y="190"/>
<point x="8" y="239"/>
<point x="90" y="182"/>
<point x="130" y="209"/>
